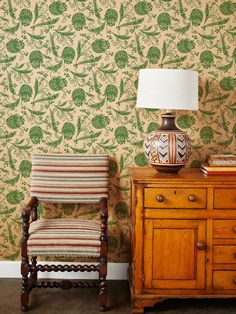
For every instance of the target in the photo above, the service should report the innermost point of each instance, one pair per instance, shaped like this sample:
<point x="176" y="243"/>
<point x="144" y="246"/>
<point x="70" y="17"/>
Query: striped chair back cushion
<point x="69" y="178"/>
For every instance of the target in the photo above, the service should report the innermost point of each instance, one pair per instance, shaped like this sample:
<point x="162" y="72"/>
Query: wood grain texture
<point x="225" y="198"/>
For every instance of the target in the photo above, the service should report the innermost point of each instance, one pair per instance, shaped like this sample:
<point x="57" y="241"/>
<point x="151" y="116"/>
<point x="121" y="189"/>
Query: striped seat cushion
<point x="69" y="178"/>
<point x="64" y="237"/>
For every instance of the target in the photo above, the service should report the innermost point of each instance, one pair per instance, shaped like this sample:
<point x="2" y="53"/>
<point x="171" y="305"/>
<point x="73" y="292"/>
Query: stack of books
<point x="220" y="164"/>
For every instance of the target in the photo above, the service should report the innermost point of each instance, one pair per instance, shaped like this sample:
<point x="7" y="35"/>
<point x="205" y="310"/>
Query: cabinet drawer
<point x="224" y="279"/>
<point x="225" y="198"/>
<point x="224" y="229"/>
<point x="224" y="254"/>
<point x="174" y="198"/>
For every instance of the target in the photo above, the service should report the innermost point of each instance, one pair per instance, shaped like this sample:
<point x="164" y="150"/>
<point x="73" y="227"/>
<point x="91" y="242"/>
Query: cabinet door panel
<point x="179" y="254"/>
<point x="172" y="259"/>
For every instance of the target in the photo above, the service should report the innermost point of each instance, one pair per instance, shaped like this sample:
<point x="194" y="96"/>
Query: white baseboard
<point x="116" y="271"/>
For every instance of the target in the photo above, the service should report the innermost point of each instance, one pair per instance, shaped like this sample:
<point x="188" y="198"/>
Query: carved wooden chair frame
<point x="29" y="269"/>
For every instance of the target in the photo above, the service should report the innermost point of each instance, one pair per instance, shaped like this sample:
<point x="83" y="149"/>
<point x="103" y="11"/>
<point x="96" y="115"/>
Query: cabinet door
<point x="174" y="254"/>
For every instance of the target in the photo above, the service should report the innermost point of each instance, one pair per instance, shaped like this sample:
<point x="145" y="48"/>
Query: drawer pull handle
<point x="201" y="245"/>
<point x="234" y="280"/>
<point x="192" y="198"/>
<point x="234" y="255"/>
<point x="160" y="198"/>
<point x="234" y="229"/>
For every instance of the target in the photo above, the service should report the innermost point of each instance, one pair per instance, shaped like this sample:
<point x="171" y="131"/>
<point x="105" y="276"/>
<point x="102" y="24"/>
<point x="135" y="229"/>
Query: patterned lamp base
<point x="168" y="148"/>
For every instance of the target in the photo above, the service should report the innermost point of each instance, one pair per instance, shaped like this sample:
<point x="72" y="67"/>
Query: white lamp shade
<point x="168" y="89"/>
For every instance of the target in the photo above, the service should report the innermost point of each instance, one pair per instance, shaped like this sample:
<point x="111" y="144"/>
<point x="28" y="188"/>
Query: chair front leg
<point x="33" y="273"/>
<point x="103" y="285"/>
<point x="31" y="207"/>
<point x="103" y="257"/>
<point x="25" y="263"/>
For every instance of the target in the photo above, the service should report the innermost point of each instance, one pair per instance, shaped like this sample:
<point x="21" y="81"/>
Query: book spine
<point x="218" y="172"/>
<point x="222" y="157"/>
<point x="203" y="170"/>
<point x="225" y="163"/>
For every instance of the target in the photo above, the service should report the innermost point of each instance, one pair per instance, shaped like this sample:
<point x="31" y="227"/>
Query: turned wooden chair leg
<point x="103" y="257"/>
<point x="24" y="284"/>
<point x="25" y="268"/>
<point x="103" y="285"/>
<point x="33" y="273"/>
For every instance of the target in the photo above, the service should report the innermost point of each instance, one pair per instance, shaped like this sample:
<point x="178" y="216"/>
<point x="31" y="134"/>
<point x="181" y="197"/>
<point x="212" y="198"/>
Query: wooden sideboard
<point x="183" y="236"/>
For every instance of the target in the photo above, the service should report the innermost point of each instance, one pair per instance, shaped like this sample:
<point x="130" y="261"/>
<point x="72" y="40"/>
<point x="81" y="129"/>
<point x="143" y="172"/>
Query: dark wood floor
<point x="76" y="301"/>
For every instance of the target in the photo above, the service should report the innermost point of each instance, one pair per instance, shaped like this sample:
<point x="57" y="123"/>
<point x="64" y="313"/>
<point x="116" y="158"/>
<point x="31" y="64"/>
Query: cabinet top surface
<point x="151" y="175"/>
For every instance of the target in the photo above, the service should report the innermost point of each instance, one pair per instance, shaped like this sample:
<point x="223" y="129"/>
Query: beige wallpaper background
<point x="68" y="83"/>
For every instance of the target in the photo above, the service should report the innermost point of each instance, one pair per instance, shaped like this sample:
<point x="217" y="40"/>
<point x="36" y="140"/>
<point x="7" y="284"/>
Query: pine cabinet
<point x="183" y="236"/>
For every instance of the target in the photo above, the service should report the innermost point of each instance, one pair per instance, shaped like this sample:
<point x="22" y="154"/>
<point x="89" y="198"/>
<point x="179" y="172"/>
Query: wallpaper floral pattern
<point x="68" y="82"/>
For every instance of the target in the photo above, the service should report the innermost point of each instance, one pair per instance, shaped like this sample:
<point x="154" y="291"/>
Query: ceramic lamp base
<point x="167" y="169"/>
<point x="168" y="148"/>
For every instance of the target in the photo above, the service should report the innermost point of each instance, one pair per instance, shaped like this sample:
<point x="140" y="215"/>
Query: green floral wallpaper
<point x="68" y="82"/>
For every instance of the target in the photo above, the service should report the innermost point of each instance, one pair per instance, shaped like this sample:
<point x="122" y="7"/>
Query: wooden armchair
<point x="65" y="179"/>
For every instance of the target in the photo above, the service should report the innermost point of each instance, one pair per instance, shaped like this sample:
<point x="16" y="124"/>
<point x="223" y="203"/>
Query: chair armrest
<point x="104" y="210"/>
<point x="33" y="203"/>
<point x="30" y="208"/>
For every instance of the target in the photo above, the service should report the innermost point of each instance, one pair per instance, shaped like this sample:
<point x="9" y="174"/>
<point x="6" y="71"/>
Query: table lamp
<point x="167" y="148"/>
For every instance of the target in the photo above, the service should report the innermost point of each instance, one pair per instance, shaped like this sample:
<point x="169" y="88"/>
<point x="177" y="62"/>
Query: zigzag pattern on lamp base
<point x="167" y="150"/>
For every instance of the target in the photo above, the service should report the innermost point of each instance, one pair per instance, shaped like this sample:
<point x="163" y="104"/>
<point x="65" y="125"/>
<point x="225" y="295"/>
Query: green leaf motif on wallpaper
<point x="100" y="121"/>
<point x="12" y="181"/>
<point x="185" y="45"/>
<point x="164" y="21"/>
<point x="206" y="134"/>
<point x="68" y="130"/>
<point x="36" y="59"/>
<point x="25" y="17"/>
<point x="8" y="211"/>
<point x="14" y="121"/>
<point x="14" y="197"/>
<point x="57" y="83"/>
<point x="121" y="59"/>
<point x="186" y="121"/>
<point x="111" y="17"/>
<point x="15" y="45"/>
<point x="196" y="17"/>
<point x="36" y="134"/>
<point x="69" y="79"/>
<point x="12" y="29"/>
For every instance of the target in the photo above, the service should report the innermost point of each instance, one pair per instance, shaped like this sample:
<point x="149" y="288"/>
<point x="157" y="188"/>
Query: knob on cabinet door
<point x="234" y="280"/>
<point x="201" y="245"/>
